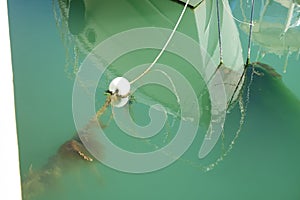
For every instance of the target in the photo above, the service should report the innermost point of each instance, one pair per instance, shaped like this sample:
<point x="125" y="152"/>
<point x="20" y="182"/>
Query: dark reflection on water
<point x="76" y="19"/>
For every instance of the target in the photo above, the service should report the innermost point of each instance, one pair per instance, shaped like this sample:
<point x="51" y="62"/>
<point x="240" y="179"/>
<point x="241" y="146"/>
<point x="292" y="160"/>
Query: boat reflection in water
<point x="77" y="31"/>
<point x="277" y="35"/>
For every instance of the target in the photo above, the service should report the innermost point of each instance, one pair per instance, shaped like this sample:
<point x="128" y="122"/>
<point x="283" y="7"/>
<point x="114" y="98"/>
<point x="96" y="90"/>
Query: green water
<point x="263" y="164"/>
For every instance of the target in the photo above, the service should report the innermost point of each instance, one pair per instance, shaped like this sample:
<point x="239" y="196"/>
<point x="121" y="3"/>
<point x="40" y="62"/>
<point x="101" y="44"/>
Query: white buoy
<point x="123" y="86"/>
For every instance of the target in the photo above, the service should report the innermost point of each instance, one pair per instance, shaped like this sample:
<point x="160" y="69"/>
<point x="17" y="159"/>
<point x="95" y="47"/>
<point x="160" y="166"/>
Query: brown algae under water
<point x="269" y="98"/>
<point x="271" y="108"/>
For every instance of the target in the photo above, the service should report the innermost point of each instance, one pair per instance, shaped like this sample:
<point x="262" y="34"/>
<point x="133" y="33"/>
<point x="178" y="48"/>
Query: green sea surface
<point x="263" y="163"/>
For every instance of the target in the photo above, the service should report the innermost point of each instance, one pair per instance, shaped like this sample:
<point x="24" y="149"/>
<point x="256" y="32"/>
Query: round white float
<point x="123" y="86"/>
